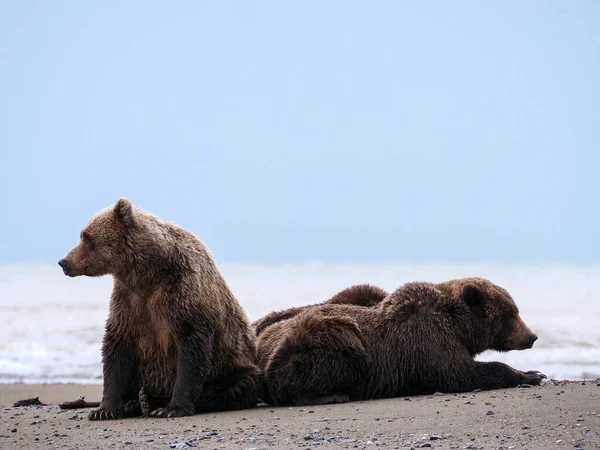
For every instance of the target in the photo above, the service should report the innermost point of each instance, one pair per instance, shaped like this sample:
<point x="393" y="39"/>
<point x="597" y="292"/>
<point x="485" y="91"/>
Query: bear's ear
<point x="124" y="211"/>
<point x="473" y="296"/>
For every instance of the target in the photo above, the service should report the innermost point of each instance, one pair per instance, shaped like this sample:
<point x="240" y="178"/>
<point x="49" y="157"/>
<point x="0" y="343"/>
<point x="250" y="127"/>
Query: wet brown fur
<point x="420" y="339"/>
<point x="174" y="328"/>
<point x="364" y="295"/>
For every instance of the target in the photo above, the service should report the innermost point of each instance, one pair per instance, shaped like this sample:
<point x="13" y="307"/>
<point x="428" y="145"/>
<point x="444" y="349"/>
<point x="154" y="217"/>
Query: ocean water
<point x="52" y="326"/>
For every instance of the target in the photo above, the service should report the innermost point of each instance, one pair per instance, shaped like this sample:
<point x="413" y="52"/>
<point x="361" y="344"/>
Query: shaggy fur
<point x="359" y="295"/>
<point x="420" y="339"/>
<point x="175" y="337"/>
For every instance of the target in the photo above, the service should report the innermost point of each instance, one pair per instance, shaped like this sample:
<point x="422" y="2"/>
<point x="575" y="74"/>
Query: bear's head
<point x="103" y="242"/>
<point x="497" y="314"/>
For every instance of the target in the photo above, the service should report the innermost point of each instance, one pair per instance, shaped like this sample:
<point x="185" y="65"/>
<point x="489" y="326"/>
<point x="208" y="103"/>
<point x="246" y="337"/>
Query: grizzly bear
<point x="420" y="339"/>
<point x="359" y="295"/>
<point x="175" y="334"/>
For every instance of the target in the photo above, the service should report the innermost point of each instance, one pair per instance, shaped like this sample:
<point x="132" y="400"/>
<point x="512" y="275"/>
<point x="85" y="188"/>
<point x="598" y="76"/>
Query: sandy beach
<point x="555" y="415"/>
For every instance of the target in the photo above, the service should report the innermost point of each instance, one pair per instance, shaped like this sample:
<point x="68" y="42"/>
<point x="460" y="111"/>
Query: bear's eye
<point x="86" y="237"/>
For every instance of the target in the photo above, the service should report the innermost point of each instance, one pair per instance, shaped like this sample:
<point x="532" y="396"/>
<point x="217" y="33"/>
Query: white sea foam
<point x="51" y="326"/>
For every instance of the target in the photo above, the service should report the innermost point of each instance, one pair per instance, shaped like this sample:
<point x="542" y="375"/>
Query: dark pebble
<point x="490" y="413"/>
<point x="308" y="437"/>
<point x="424" y="444"/>
<point x="14" y="430"/>
<point x="311" y="411"/>
<point x="435" y="437"/>
<point x="524" y="427"/>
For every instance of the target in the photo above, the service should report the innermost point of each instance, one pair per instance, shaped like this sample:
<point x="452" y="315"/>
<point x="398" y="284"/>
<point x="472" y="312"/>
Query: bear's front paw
<point x="171" y="411"/>
<point x="106" y="414"/>
<point x="534" y="377"/>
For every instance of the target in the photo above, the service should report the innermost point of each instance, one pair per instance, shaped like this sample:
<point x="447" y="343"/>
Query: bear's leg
<point x="322" y="361"/>
<point x="497" y="375"/>
<point x="194" y="347"/>
<point x="240" y="390"/>
<point x="119" y="367"/>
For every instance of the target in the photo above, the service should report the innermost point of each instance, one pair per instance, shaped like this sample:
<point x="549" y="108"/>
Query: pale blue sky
<point x="284" y="131"/>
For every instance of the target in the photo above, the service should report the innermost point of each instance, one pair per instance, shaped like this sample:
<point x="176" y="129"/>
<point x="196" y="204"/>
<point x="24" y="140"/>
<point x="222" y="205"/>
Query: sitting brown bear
<point x="359" y="295"/>
<point x="420" y="339"/>
<point x="176" y="341"/>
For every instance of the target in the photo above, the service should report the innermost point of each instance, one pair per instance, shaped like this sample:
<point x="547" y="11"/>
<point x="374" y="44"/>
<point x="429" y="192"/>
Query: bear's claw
<point x="169" y="413"/>
<point x="535" y="377"/>
<point x="105" y="414"/>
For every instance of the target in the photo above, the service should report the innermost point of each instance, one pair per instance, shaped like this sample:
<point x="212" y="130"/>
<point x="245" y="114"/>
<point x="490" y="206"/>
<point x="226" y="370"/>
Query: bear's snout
<point x="65" y="265"/>
<point x="532" y="338"/>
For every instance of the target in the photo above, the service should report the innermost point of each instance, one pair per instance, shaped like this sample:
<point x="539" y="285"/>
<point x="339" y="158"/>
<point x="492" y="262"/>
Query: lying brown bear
<point x="420" y="339"/>
<point x="359" y="295"/>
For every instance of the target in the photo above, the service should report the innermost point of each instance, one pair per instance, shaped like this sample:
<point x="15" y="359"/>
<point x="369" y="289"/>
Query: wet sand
<point x="555" y="415"/>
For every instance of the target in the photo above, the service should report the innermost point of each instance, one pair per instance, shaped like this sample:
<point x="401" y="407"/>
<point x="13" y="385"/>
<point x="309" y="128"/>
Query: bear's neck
<point x="149" y="267"/>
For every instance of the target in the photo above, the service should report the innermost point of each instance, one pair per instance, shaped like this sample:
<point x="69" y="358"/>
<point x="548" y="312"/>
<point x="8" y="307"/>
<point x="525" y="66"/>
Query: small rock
<point x="435" y="437"/>
<point x="489" y="413"/>
<point x="308" y="437"/>
<point x="423" y="445"/>
<point x="524" y="427"/>
<point x="181" y="445"/>
<point x="14" y="430"/>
